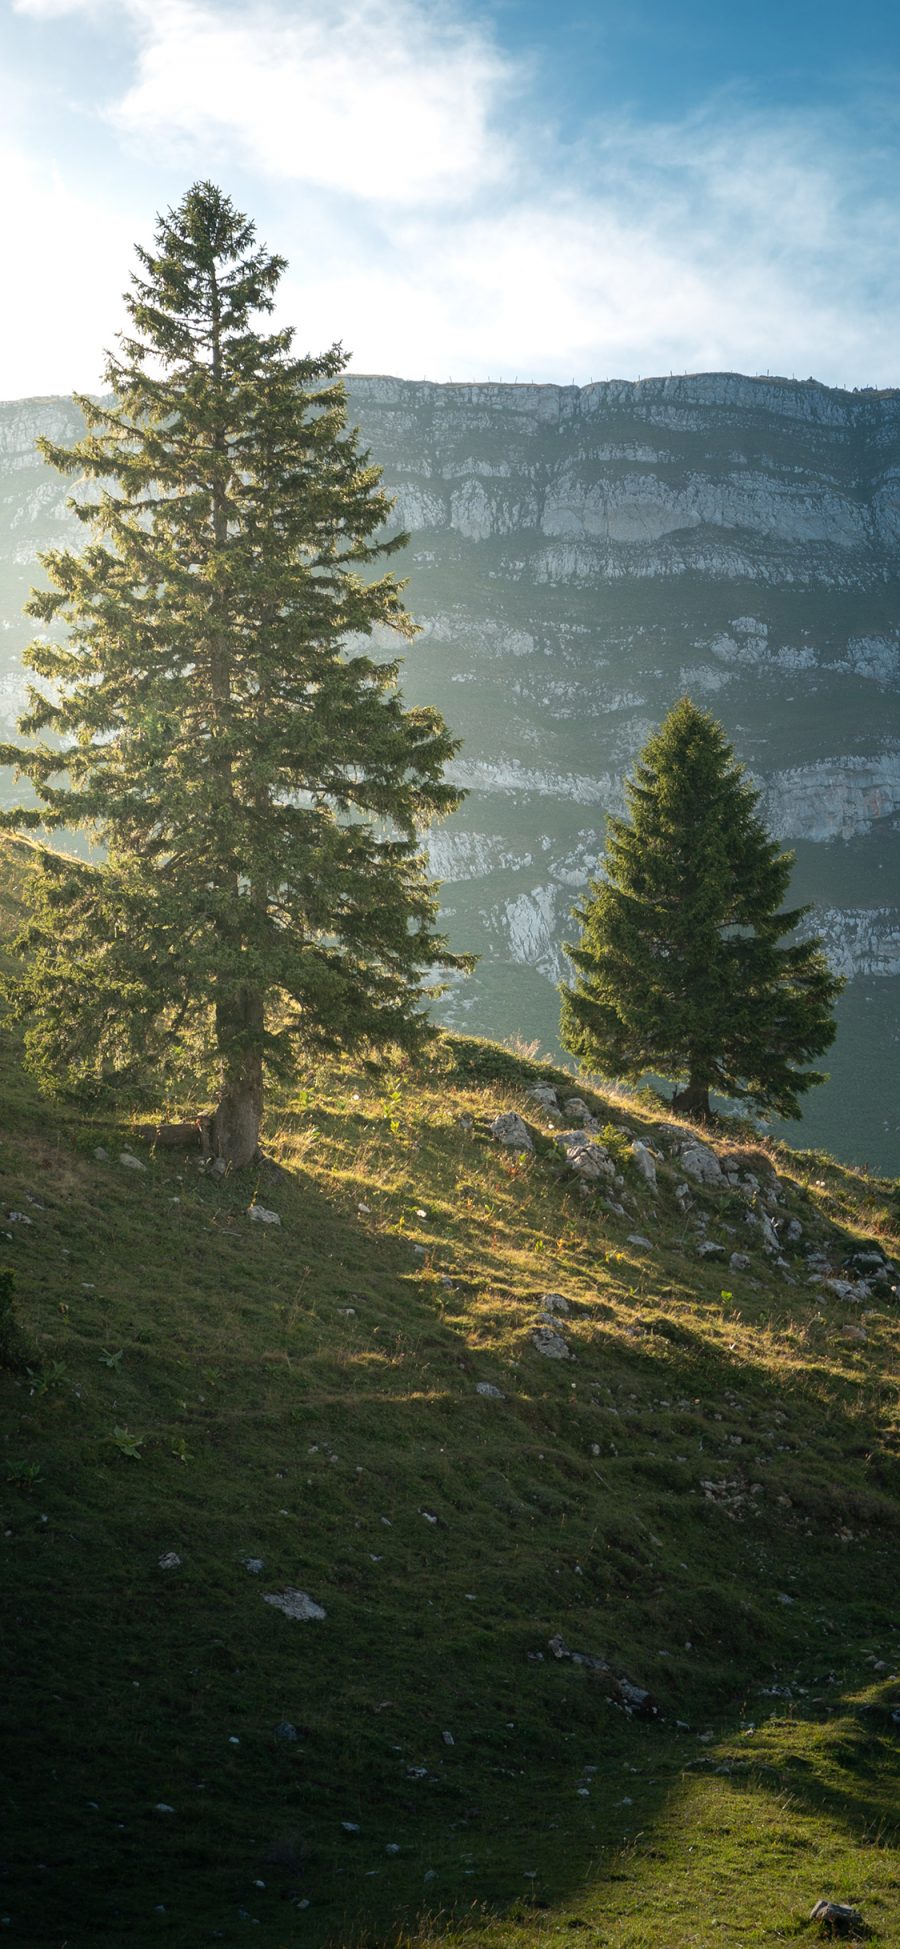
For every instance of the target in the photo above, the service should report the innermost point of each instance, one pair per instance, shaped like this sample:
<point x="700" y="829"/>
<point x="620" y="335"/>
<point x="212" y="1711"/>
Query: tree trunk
<point x="234" y="1129"/>
<point x="693" y="1100"/>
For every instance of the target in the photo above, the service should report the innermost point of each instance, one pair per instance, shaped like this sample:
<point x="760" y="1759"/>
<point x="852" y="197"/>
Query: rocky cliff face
<point x="578" y="558"/>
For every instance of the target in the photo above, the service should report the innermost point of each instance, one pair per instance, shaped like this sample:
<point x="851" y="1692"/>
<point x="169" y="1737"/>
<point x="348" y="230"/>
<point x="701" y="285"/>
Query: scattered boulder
<point x="509" y="1128"/>
<point x="101" y="1154"/>
<point x="836" y="1918"/>
<point x="576" y="1107"/>
<point x="255" y="1565"/>
<point x="591" y="1161"/>
<point x="702" y="1163"/>
<point x="739" y="1262"/>
<point x="637" y="1238"/>
<point x="644" y="1160"/>
<point x="636" y="1701"/>
<point x="709" y="1248"/>
<point x="866" y="1261"/>
<point x="259" y="1215"/>
<point x="294" y="1603"/>
<point x="761" y="1222"/>
<point x="170" y="1560"/>
<point x="488" y="1391"/>
<point x="129" y="1162"/>
<point x="550" y="1343"/>
<point x="286" y="1732"/>
<point x="545" y="1095"/>
<point x="878" y="1273"/>
<point x="851" y="1291"/>
<point x="870" y="1265"/>
<point x="554" y="1303"/>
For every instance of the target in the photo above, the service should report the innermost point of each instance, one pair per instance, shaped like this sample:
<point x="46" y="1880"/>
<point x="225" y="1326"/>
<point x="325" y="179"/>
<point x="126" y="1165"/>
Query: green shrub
<point x="489" y="1062"/>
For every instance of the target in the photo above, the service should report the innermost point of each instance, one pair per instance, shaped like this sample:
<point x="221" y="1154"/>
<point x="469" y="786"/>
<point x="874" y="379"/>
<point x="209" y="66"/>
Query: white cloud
<point x="54" y="9"/>
<point x="385" y="100"/>
<point x="393" y="152"/>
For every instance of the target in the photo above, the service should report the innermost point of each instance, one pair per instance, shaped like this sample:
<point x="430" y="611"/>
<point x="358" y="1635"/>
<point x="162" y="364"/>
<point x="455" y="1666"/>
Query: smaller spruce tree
<point x="683" y="966"/>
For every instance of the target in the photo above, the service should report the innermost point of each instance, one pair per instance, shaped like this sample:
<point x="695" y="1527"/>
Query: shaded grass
<point x="306" y="1395"/>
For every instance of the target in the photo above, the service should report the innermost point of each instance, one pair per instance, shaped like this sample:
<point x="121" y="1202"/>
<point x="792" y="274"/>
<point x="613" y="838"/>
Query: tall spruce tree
<point x="214" y="720"/>
<point x="682" y="966"/>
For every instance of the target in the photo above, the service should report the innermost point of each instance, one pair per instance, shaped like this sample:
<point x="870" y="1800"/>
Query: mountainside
<point x="579" y="557"/>
<point x="484" y="1508"/>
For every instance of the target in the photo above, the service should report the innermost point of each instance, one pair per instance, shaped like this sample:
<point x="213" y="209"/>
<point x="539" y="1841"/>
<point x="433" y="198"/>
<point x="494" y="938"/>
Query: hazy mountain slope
<point x="579" y="557"/>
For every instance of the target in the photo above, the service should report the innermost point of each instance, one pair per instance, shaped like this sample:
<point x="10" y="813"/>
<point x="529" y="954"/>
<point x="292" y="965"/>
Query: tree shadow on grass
<point x="322" y="1382"/>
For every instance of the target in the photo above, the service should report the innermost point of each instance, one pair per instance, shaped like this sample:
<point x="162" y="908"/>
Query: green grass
<point x="188" y="1381"/>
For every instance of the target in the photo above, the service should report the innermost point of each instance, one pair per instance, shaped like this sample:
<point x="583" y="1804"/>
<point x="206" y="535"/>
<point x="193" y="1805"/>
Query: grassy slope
<point x="306" y="1394"/>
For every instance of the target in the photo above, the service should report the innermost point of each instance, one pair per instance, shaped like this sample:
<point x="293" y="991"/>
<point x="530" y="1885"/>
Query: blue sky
<point x="567" y="192"/>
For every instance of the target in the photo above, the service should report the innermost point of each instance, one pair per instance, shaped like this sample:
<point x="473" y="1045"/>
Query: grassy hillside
<point x="699" y="1495"/>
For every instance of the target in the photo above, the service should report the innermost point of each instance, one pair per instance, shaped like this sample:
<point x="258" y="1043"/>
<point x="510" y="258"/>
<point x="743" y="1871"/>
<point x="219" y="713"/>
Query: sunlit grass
<point x="307" y="1395"/>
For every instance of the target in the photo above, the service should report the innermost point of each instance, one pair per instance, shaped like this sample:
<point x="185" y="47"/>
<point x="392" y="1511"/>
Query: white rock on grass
<point x="637" y="1238"/>
<point x="837" y="1917"/>
<point x="554" y="1303"/>
<point x="550" y="1343"/>
<point x="709" y="1248"/>
<point x="129" y="1162"/>
<point x="509" y="1128"/>
<point x="852" y="1291"/>
<point x="260" y="1216"/>
<point x="589" y="1160"/>
<point x="761" y="1222"/>
<point x="294" y="1603"/>
<point x="576" y="1107"/>
<point x="644" y="1161"/>
<point x="545" y="1095"/>
<point x="702" y="1163"/>
<point x="488" y="1391"/>
<point x="170" y="1561"/>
